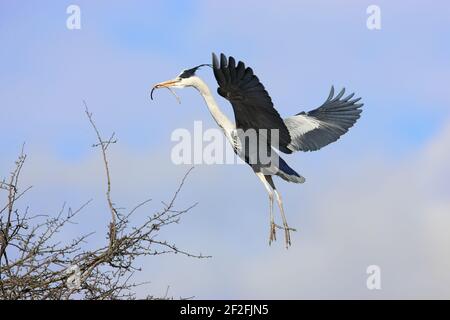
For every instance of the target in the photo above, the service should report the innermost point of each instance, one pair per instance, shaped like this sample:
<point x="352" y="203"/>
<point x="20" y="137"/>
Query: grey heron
<point x="254" y="110"/>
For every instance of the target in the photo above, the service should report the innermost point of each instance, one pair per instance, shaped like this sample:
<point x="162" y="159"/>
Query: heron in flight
<point x="254" y="110"/>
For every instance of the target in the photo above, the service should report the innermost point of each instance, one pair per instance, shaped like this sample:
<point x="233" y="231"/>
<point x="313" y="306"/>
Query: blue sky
<point x="298" y="49"/>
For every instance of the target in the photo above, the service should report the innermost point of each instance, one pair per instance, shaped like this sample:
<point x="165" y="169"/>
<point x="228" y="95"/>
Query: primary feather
<point x="315" y="129"/>
<point x="252" y="105"/>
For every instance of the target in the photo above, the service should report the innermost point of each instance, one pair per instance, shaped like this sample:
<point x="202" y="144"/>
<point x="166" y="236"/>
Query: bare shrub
<point x="33" y="265"/>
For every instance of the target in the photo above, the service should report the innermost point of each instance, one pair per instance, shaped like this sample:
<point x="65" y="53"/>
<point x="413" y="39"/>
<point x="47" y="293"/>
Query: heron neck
<point x="221" y="119"/>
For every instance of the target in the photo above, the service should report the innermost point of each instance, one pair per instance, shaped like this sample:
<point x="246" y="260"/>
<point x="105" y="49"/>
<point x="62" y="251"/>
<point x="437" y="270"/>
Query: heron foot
<point x="272" y="233"/>
<point x="287" y="233"/>
<point x="287" y="236"/>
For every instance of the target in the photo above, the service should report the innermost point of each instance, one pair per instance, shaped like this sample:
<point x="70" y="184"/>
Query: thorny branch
<point x="104" y="147"/>
<point x="34" y="265"/>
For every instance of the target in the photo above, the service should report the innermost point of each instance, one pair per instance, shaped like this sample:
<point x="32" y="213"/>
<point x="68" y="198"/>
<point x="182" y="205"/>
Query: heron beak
<point x="165" y="84"/>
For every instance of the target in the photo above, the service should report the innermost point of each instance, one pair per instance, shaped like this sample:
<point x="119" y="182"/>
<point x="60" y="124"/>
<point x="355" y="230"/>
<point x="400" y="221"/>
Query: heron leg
<point x="287" y="229"/>
<point x="272" y="232"/>
<point x="272" y="226"/>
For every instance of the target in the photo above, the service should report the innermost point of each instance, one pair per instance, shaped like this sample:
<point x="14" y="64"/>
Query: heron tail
<point x="287" y="173"/>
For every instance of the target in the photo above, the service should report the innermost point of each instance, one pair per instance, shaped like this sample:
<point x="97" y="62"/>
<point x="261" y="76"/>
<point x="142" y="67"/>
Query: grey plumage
<point x="315" y="129"/>
<point x="306" y="131"/>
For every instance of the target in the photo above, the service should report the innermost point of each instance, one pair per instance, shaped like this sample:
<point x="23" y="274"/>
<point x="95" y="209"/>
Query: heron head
<point x="185" y="79"/>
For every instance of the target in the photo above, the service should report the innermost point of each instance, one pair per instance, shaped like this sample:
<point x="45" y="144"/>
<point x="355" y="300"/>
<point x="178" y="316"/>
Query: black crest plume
<point x="190" y="72"/>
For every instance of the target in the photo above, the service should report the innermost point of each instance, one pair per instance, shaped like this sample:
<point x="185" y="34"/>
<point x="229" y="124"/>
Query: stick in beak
<point x="167" y="85"/>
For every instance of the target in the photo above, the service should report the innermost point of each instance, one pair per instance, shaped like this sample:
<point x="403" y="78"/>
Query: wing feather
<point x="252" y="105"/>
<point x="315" y="129"/>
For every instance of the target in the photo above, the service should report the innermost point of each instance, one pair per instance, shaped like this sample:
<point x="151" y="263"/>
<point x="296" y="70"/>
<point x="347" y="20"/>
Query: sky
<point x="378" y="196"/>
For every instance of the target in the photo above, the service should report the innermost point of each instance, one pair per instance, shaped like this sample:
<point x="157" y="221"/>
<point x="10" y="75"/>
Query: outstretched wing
<point x="315" y="129"/>
<point x="252" y="105"/>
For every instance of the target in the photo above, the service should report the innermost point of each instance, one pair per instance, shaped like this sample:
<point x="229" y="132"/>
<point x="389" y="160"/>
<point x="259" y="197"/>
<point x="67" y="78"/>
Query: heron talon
<point x="285" y="228"/>
<point x="287" y="235"/>
<point x="272" y="233"/>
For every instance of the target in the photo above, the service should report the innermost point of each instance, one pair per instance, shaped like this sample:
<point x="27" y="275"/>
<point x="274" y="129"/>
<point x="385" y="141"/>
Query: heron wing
<point x="315" y="129"/>
<point x="252" y="105"/>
